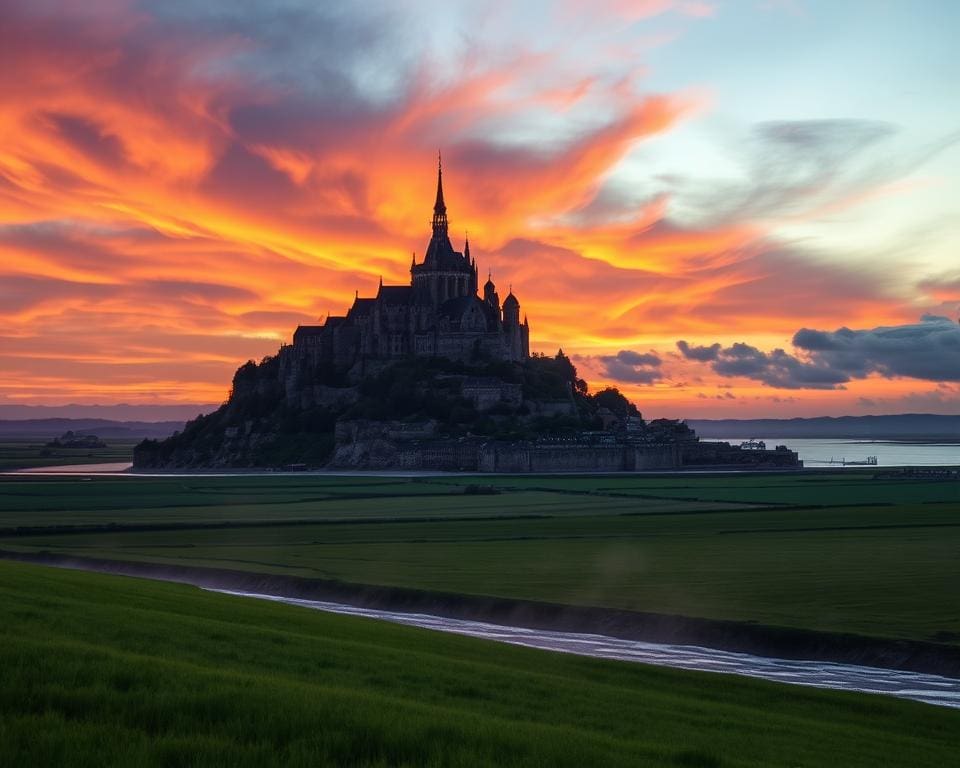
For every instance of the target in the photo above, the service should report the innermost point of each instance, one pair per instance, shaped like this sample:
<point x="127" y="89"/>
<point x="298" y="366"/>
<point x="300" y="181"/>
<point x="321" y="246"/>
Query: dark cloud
<point x="324" y="49"/>
<point x="633" y="367"/>
<point x="720" y="396"/>
<point x="928" y="350"/>
<point x="700" y="354"/>
<point x="775" y="369"/>
<point x="89" y="138"/>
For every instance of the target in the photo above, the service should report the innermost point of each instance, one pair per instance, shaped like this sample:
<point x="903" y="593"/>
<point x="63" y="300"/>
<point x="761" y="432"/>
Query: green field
<point x="787" y="550"/>
<point x="103" y="670"/>
<point x="24" y="453"/>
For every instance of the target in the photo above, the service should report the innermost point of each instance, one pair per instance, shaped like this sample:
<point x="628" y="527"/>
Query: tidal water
<point x="930" y="689"/>
<point x="820" y="452"/>
<point x="814" y="453"/>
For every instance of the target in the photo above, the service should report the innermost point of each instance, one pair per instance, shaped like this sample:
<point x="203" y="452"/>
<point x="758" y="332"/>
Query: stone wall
<point x="707" y="454"/>
<point x="519" y="457"/>
<point x="397" y="445"/>
<point x="574" y="458"/>
<point x="442" y="455"/>
<point x="655" y="457"/>
<point x="504" y="458"/>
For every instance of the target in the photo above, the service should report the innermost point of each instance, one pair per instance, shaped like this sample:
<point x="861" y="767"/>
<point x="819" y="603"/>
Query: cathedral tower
<point x="439" y="314"/>
<point x="445" y="273"/>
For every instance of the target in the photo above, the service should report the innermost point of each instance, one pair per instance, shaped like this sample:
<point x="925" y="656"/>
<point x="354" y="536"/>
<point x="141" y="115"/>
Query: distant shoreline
<point x="88" y="471"/>
<point x="855" y="439"/>
<point x="905" y="427"/>
<point x="98" y="470"/>
<point x="741" y="637"/>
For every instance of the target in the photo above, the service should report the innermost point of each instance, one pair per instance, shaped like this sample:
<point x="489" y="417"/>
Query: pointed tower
<point x="439" y="207"/>
<point x="444" y="273"/>
<point x="473" y="280"/>
<point x="490" y="294"/>
<point x="511" y="311"/>
<point x="516" y="334"/>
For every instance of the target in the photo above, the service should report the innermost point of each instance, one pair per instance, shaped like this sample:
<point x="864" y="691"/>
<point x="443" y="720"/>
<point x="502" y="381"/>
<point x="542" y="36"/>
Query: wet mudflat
<point x="930" y="689"/>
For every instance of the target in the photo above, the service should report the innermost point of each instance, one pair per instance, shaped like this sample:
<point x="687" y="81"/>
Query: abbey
<point x="432" y="376"/>
<point x="439" y="314"/>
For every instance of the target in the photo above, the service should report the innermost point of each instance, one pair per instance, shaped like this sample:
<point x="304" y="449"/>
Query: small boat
<point x="870" y="461"/>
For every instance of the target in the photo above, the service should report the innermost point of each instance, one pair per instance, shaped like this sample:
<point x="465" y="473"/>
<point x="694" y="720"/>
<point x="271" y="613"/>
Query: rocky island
<point x="433" y="375"/>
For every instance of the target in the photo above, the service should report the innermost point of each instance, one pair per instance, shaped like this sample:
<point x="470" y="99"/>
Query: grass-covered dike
<point x="105" y="670"/>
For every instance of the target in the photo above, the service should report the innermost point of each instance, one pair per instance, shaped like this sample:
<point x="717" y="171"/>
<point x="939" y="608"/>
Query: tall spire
<point x="439" y="207"/>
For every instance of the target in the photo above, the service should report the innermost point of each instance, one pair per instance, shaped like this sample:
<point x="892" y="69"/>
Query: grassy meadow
<point x="838" y="551"/>
<point x="103" y="670"/>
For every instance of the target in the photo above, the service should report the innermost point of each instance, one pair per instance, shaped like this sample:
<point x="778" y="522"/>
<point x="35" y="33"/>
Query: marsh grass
<point x="744" y="547"/>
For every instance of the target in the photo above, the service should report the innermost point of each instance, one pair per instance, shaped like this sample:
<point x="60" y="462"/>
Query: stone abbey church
<point x="439" y="314"/>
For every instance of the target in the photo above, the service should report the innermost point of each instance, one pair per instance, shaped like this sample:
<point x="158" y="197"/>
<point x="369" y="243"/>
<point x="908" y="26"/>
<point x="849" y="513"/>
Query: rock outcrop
<point x="533" y="415"/>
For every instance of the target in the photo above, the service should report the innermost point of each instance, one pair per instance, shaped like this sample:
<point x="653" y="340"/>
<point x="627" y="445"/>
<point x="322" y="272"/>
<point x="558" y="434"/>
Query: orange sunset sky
<point x="724" y="209"/>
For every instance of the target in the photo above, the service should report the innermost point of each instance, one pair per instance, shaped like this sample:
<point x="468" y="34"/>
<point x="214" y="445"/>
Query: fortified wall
<point x="576" y="458"/>
<point x="411" y="446"/>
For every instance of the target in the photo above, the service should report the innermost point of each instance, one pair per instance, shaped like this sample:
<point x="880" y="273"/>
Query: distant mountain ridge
<point x="116" y="412"/>
<point x="902" y="426"/>
<point x="104" y="428"/>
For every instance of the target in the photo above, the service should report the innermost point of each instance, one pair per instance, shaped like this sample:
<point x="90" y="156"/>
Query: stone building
<point x="439" y="314"/>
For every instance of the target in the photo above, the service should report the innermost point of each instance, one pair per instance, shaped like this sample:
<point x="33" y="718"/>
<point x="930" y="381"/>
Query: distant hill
<point x="117" y="412"/>
<point x="904" y="426"/>
<point x="104" y="428"/>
